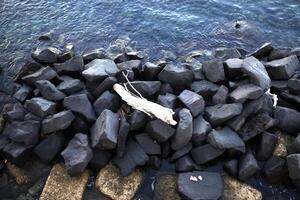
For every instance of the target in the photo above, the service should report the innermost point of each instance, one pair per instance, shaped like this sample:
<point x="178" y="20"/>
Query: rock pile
<point x="67" y="107"/>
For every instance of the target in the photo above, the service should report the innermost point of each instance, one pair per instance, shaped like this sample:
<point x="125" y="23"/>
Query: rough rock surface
<point x="57" y="122"/>
<point x="192" y="101"/>
<point x="176" y="75"/>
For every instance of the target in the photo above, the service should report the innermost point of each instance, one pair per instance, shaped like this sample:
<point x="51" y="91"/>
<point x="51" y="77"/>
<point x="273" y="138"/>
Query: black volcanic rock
<point x="100" y="159"/>
<point x="104" y="132"/>
<point x="181" y="152"/>
<point x="77" y="154"/>
<point x="107" y="84"/>
<point x="214" y="71"/>
<point x="288" y="120"/>
<point x="14" y="112"/>
<point x="30" y="116"/>
<point x="81" y="105"/>
<point x="107" y="100"/>
<point x="220" y="96"/>
<point x="145" y="88"/>
<point x="233" y="67"/>
<point x="263" y="51"/>
<point x="204" y="88"/>
<point x="248" y="166"/>
<point x="22" y="93"/>
<point x="44" y="73"/>
<point x="26" y="132"/>
<point x="231" y="167"/>
<point x="275" y="169"/>
<point x="50" y="147"/>
<point x="257" y="72"/>
<point x="246" y="92"/>
<point x="18" y="153"/>
<point x="294" y="147"/>
<point x="205" y="185"/>
<point x="159" y="130"/>
<point x="49" y="91"/>
<point x="220" y="113"/>
<point x="192" y="101"/>
<point x="137" y="120"/>
<point x="168" y="100"/>
<point x="150" y="71"/>
<point x="130" y="65"/>
<point x="70" y="86"/>
<point x="284" y="68"/>
<point x="279" y="53"/>
<point x="205" y="153"/>
<point x="46" y="54"/>
<point x="40" y="106"/>
<point x="293" y="162"/>
<point x="185" y="164"/>
<point x="201" y="128"/>
<point x="184" y="130"/>
<point x="293" y="84"/>
<point x="150" y="146"/>
<point x="176" y="75"/>
<point x="124" y="128"/>
<point x="57" y="122"/>
<point x="79" y="125"/>
<point x="74" y="64"/>
<point x="226" y="138"/>
<point x="133" y="156"/>
<point x="166" y="88"/>
<point x="266" y="146"/>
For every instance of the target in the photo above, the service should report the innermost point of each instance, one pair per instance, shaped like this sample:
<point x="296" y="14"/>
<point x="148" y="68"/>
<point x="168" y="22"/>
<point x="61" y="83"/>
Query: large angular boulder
<point x="137" y="120"/>
<point x="293" y="162"/>
<point x="150" y="71"/>
<point x="40" y="106"/>
<point x="248" y="166"/>
<point x="124" y="128"/>
<point x="81" y="105"/>
<point x="220" y="96"/>
<point x="186" y="164"/>
<point x="74" y="64"/>
<point x="294" y="147"/>
<point x="104" y="132"/>
<point x="257" y="72"/>
<point x="246" y="92"/>
<point x="159" y="130"/>
<point x="288" y="119"/>
<point x="107" y="100"/>
<point x="49" y="91"/>
<point x="263" y="51"/>
<point x="199" y="185"/>
<point x="184" y="131"/>
<point x="181" y="152"/>
<point x="168" y="100"/>
<point x="176" y="75"/>
<point x="14" y="112"/>
<point x="204" y="88"/>
<point x="293" y="84"/>
<point x="214" y="71"/>
<point x="77" y="154"/>
<point x="17" y="153"/>
<point x="44" y="73"/>
<point x="275" y="169"/>
<point x="57" y="122"/>
<point x="23" y="92"/>
<point x="201" y="128"/>
<point x="193" y="101"/>
<point x="266" y="146"/>
<point x="100" y="159"/>
<point x="145" y="88"/>
<point x="233" y="67"/>
<point x="46" y="54"/>
<point x="107" y="84"/>
<point x="205" y="153"/>
<point x="150" y="146"/>
<point x="231" y="167"/>
<point x="25" y="132"/>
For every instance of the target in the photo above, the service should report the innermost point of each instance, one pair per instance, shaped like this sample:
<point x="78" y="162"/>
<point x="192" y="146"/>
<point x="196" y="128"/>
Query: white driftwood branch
<point x="148" y="107"/>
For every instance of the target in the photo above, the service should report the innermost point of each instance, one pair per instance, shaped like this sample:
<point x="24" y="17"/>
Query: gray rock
<point x="107" y="100"/>
<point x="279" y="53"/>
<point x="49" y="91"/>
<point x="214" y="71"/>
<point x="99" y="69"/>
<point x="248" y="166"/>
<point x="93" y="54"/>
<point x="168" y="100"/>
<point x="263" y="51"/>
<point x="204" y="88"/>
<point x="266" y="146"/>
<point x="201" y="128"/>
<point x="107" y="84"/>
<point x="209" y="185"/>
<point x="150" y="146"/>
<point x="278" y="86"/>
<point x="176" y="75"/>
<point x="77" y="154"/>
<point x="293" y="84"/>
<point x="46" y="54"/>
<point x="137" y="120"/>
<point x="133" y="156"/>
<point x="150" y="71"/>
<point x="185" y="164"/>
<point x="57" y="122"/>
<point x="226" y="138"/>
<point x="159" y="130"/>
<point x="81" y="105"/>
<point x="122" y="135"/>
<point x="192" y="101"/>
<point x="166" y="88"/>
<point x="205" y="153"/>
<point x="40" y="106"/>
<point x="220" y="96"/>
<point x="74" y="64"/>
<point x="17" y="153"/>
<point x="293" y="162"/>
<point x="44" y="73"/>
<point x="26" y="132"/>
<point x="30" y="116"/>
<point x="233" y="67"/>
<point x="246" y="92"/>
<point x="184" y="130"/>
<point x="275" y="169"/>
<point x="104" y="132"/>
<point x="294" y="147"/>
<point x="181" y="152"/>
<point x="220" y="113"/>
<point x="257" y="72"/>
<point x="70" y="86"/>
<point x="22" y="93"/>
<point x="100" y="159"/>
<point x="14" y="112"/>
<point x="130" y="65"/>
<point x="231" y="167"/>
<point x="283" y="68"/>
<point x="145" y="88"/>
<point x="154" y="162"/>
<point x="288" y="120"/>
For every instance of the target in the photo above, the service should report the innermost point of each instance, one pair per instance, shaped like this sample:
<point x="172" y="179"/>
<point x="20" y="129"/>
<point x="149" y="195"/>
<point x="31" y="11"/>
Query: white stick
<point x="148" y="107"/>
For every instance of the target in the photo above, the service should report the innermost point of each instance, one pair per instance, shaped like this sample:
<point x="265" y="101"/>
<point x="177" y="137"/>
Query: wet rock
<point x="40" y="106"/>
<point x="225" y="53"/>
<point x="154" y="162"/>
<point x="26" y="132"/>
<point x="81" y="105"/>
<point x="184" y="130"/>
<point x="99" y="69"/>
<point x="220" y="96"/>
<point x="70" y="86"/>
<point x="293" y="84"/>
<point x="205" y="153"/>
<point x="57" y="122"/>
<point x="49" y="91"/>
<point x="231" y="167"/>
<point x="13" y="112"/>
<point x="257" y="72"/>
<point x="233" y="67"/>
<point x="60" y="185"/>
<point x="116" y="186"/>
<point x="107" y="100"/>
<point x="122" y="135"/>
<point x="46" y="54"/>
<point x="283" y="68"/>
<point x="237" y="190"/>
<point x="205" y="185"/>
<point x="17" y="153"/>
<point x="279" y="53"/>
<point x="168" y="100"/>
<point x="44" y="73"/>
<point x="294" y="147"/>
<point x="248" y="166"/>
<point x="93" y="54"/>
<point x="135" y="55"/>
<point x="275" y="169"/>
<point x="22" y="93"/>
<point x="104" y="132"/>
<point x="130" y="65"/>
<point x="201" y="128"/>
<point x="220" y="113"/>
<point x="181" y="152"/>
<point x="74" y="64"/>
<point x="107" y="84"/>
<point x="150" y="146"/>
<point x="165" y="187"/>
<point x="176" y="75"/>
<point x="263" y="51"/>
<point x="204" y="88"/>
<point x="145" y="88"/>
<point x="226" y="138"/>
<point x="150" y="71"/>
<point x="246" y="92"/>
<point x="77" y="154"/>
<point x="288" y="120"/>
<point x="100" y="159"/>
<point x="192" y="101"/>
<point x="214" y="71"/>
<point x="133" y="156"/>
<point x="50" y="147"/>
<point x="137" y="120"/>
<point x="185" y="164"/>
<point x="266" y="146"/>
